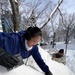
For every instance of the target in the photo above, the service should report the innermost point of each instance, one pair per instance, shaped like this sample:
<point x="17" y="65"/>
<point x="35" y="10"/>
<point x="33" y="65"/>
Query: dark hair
<point x="32" y="32"/>
<point x="61" y="51"/>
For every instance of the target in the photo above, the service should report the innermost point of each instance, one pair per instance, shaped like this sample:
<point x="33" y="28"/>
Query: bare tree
<point x="68" y="24"/>
<point x="3" y="6"/>
<point x="38" y="14"/>
<point x="5" y="14"/>
<point x="46" y="31"/>
<point x="52" y="13"/>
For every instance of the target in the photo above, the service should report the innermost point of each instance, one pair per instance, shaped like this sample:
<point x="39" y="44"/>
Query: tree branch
<point x="51" y="15"/>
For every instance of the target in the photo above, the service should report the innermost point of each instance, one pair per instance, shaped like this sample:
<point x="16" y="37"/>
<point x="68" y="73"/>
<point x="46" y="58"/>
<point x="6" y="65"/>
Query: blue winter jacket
<point x="14" y="43"/>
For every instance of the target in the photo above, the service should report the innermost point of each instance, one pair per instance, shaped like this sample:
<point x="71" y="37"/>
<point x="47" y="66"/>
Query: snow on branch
<point x="52" y="13"/>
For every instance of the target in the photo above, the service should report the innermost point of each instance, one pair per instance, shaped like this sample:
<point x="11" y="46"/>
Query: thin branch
<point x="61" y="15"/>
<point x="51" y="15"/>
<point x="43" y="10"/>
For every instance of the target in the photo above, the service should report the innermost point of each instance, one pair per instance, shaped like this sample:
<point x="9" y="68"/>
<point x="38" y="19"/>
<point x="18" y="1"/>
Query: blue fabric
<point x="14" y="43"/>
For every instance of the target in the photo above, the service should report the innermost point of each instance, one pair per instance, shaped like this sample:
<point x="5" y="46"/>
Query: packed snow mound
<point x="31" y="68"/>
<point x="21" y="70"/>
<point x="55" y="67"/>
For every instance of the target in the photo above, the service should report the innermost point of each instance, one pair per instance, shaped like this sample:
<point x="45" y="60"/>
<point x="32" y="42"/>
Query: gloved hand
<point x="8" y="61"/>
<point x="48" y="73"/>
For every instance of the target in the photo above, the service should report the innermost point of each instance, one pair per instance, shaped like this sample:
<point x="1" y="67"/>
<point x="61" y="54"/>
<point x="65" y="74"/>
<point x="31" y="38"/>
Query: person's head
<point x="61" y="51"/>
<point x="33" y="35"/>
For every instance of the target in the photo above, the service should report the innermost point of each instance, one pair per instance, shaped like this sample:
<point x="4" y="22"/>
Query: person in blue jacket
<point x="23" y="43"/>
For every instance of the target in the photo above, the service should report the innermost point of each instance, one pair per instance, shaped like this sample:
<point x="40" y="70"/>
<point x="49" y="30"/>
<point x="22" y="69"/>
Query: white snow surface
<point x="32" y="68"/>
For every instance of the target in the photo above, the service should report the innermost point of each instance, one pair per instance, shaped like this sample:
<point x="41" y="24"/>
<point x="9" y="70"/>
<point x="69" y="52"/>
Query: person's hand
<point x="8" y="61"/>
<point x="48" y="73"/>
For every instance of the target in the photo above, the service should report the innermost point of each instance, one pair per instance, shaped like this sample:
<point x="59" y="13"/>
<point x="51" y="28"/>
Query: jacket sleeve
<point x="37" y="57"/>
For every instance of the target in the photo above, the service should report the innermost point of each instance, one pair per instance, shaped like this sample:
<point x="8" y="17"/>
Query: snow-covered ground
<point x="56" y="68"/>
<point x="70" y="57"/>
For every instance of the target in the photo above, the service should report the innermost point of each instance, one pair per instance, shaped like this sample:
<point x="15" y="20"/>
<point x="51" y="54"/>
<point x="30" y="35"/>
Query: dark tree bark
<point x="15" y="14"/>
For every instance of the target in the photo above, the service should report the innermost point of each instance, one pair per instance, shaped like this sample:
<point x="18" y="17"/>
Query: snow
<point x="73" y="41"/>
<point x="21" y="70"/>
<point x="54" y="66"/>
<point x="71" y="60"/>
<point x="31" y="68"/>
<point x="70" y="57"/>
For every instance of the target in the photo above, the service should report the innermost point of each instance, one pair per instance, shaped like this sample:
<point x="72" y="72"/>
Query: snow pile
<point x="21" y="70"/>
<point x="55" y="67"/>
<point x="73" y="41"/>
<point x="71" y="60"/>
<point x="70" y="57"/>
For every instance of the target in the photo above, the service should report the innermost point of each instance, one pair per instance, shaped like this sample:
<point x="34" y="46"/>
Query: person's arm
<point x="6" y="60"/>
<point x="37" y="57"/>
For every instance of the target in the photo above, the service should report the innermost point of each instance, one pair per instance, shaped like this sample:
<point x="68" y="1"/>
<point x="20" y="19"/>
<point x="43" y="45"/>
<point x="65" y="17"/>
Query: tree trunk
<point x="15" y="14"/>
<point x="53" y="43"/>
<point x="67" y="39"/>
